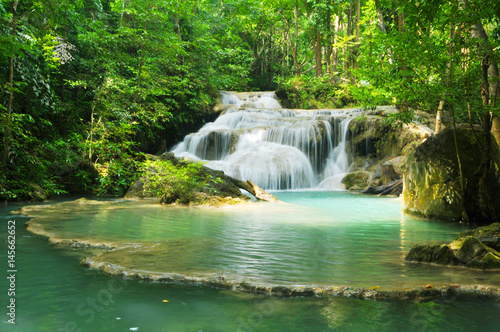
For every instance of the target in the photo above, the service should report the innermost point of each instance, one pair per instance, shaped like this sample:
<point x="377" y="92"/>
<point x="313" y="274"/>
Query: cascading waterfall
<point x="255" y="139"/>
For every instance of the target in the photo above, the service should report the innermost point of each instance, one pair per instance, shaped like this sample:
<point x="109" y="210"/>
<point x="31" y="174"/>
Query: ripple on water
<point x="315" y="239"/>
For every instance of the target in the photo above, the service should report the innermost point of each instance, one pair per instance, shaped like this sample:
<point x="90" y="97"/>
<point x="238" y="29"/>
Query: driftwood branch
<point x="394" y="188"/>
<point x="254" y="189"/>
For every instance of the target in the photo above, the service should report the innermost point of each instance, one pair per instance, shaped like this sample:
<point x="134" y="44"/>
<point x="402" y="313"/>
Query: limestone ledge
<point x="427" y="292"/>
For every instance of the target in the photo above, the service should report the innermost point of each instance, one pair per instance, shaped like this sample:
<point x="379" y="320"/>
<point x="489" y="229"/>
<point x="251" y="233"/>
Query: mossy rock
<point x="470" y="249"/>
<point x="474" y="253"/>
<point x="356" y="180"/>
<point x="432" y="180"/>
<point x="489" y="235"/>
<point x="36" y="193"/>
<point x="489" y="261"/>
<point x="373" y="137"/>
<point x="439" y="254"/>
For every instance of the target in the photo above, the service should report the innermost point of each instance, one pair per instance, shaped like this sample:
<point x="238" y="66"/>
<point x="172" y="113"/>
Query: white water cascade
<point x="255" y="139"/>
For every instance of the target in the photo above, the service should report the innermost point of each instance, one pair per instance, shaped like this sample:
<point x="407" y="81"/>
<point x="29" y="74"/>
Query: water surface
<point x="56" y="294"/>
<point x="311" y="239"/>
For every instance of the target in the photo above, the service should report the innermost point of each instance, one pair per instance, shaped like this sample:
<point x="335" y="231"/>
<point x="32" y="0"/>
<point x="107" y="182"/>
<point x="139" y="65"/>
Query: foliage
<point x="176" y="183"/>
<point x="97" y="83"/>
<point x="314" y="92"/>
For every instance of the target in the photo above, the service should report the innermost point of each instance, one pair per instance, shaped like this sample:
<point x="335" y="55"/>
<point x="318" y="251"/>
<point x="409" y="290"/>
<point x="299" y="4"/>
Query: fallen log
<point x="255" y="190"/>
<point x="394" y="188"/>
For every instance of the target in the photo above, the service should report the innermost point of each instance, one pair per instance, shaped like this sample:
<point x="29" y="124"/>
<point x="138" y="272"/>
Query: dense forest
<point x="89" y="86"/>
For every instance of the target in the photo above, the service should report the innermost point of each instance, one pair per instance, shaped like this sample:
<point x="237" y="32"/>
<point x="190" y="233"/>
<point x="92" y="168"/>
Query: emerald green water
<point x="318" y="238"/>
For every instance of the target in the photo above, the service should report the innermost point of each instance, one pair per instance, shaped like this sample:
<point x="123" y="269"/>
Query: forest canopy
<point x="87" y="86"/>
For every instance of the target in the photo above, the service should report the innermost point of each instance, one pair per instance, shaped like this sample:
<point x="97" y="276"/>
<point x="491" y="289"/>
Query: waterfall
<point x="255" y="139"/>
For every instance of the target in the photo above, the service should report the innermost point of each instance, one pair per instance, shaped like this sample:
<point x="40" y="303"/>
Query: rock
<point x="379" y="148"/>
<point x="36" y="193"/>
<point x="439" y="254"/>
<point x="397" y="164"/>
<point x="356" y="180"/>
<point x="136" y="190"/>
<point x="470" y="249"/>
<point x="432" y="182"/>
<point x="388" y="173"/>
<point x="467" y="251"/>
<point x="474" y="253"/>
<point x="257" y="191"/>
<point x="372" y="137"/>
<point x="489" y="235"/>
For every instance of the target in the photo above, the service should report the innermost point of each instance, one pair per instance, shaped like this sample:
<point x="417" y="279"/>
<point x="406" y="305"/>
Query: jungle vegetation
<point x="88" y="86"/>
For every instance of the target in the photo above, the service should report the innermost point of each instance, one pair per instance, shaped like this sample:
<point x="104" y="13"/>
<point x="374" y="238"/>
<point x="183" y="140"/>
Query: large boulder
<point x="379" y="148"/>
<point x="432" y="187"/>
<point x="371" y="136"/>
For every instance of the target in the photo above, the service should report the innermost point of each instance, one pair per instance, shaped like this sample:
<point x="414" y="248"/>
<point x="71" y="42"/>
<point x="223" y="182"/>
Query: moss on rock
<point x="432" y="186"/>
<point x="439" y="254"/>
<point x="356" y="180"/>
<point x="467" y="251"/>
<point x="489" y="235"/>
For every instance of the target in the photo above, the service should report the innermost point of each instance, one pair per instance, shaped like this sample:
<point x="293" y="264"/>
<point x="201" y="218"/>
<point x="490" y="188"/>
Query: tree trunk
<point x="350" y="32"/>
<point x="141" y="64"/>
<point x="356" y="46"/>
<point x="296" y="37"/>
<point x="318" y="55"/>
<point x="123" y="12"/>
<point x="381" y="26"/>
<point x="401" y="21"/>
<point x="315" y="36"/>
<point x="328" y="59"/>
<point x="463" y="192"/>
<point x="495" y="129"/>
<point x="483" y="174"/>
<point x="439" y="114"/>
<point x="380" y="17"/>
<point x="177" y="26"/>
<point x="335" y="55"/>
<point x="494" y="96"/>
<point x="328" y="42"/>
<point x="8" y="122"/>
